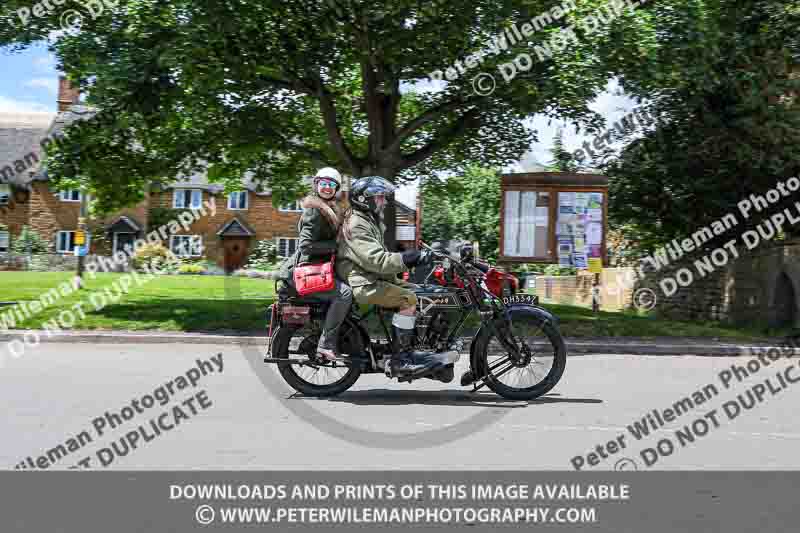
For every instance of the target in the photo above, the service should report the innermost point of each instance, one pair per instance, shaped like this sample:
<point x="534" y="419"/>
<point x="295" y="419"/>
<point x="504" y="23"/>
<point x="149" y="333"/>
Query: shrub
<point x="191" y="269"/>
<point x="29" y="241"/>
<point x="264" y="256"/>
<point x="558" y="270"/>
<point x="155" y="255"/>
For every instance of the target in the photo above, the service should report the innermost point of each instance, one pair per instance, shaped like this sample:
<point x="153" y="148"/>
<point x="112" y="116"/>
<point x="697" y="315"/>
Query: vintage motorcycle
<point x="517" y="350"/>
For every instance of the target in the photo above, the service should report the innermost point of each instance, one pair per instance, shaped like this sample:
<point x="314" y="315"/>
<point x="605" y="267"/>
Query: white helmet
<point x="329" y="172"/>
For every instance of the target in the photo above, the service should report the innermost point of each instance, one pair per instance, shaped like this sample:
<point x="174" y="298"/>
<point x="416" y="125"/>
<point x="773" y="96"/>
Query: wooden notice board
<point x="554" y="217"/>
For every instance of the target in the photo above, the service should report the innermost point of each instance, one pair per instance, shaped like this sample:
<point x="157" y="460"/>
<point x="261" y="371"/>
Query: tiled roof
<point x="63" y="119"/>
<point x="21" y="135"/>
<point x="199" y="180"/>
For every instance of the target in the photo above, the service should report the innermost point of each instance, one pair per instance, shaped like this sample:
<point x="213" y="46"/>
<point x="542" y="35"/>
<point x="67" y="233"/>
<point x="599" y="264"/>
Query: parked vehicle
<point x="517" y="350"/>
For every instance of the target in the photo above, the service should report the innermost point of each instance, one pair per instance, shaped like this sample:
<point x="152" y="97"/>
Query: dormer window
<point x="187" y="198"/>
<point x="237" y="200"/>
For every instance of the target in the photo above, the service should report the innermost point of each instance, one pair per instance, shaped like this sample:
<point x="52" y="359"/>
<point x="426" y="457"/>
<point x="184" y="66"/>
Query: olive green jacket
<point x="362" y="258"/>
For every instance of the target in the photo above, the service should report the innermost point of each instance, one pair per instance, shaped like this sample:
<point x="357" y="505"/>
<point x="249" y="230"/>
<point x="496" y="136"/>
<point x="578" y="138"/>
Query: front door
<point x="236" y="249"/>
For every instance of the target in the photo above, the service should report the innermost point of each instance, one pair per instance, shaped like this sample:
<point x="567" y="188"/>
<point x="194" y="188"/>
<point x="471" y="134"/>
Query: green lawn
<point x="171" y="303"/>
<point x="231" y="304"/>
<point x="582" y="322"/>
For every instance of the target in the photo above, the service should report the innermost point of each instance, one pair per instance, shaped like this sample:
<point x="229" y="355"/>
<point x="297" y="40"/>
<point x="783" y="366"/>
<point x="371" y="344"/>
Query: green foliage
<point x="726" y="125"/>
<point x="28" y="241"/>
<point x="246" y="87"/>
<point x="563" y="160"/>
<point x="558" y="270"/>
<point x="546" y="269"/>
<point x="465" y="207"/>
<point x="263" y="257"/>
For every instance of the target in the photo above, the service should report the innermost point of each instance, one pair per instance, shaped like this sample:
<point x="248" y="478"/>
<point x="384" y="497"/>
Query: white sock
<point x="404" y="321"/>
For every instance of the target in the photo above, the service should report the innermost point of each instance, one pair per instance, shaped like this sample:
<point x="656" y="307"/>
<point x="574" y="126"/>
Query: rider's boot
<point x="406" y="360"/>
<point x="402" y="360"/>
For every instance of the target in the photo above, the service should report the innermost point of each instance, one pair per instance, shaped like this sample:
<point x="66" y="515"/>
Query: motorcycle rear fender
<point x="543" y="315"/>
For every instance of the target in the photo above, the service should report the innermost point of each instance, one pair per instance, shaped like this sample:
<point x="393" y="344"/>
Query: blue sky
<point x="31" y="84"/>
<point x="30" y="80"/>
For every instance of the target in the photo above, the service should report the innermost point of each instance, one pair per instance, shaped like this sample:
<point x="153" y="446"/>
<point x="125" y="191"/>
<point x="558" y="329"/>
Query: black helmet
<point x="364" y="190"/>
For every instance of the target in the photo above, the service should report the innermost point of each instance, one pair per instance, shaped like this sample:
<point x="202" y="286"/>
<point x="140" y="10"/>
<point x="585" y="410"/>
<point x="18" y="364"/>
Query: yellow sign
<point x="596" y="265"/>
<point x="80" y="237"/>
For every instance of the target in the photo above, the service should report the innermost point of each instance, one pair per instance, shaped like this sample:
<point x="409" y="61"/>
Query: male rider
<point x="371" y="270"/>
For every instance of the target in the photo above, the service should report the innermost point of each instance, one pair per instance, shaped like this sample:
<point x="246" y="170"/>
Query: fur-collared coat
<point x="319" y="230"/>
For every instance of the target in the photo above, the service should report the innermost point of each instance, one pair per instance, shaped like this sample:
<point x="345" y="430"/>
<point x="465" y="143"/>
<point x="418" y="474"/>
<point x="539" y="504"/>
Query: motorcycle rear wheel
<point x="342" y="377"/>
<point x="490" y="356"/>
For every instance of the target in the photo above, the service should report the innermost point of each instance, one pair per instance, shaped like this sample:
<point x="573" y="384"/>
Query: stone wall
<point x="50" y="262"/>
<point x="758" y="288"/>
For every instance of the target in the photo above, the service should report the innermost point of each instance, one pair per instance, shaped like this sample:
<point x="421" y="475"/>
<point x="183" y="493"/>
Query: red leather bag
<point x="309" y="279"/>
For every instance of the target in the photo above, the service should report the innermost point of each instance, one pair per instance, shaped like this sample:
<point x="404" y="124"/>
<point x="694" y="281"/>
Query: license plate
<point x="523" y="299"/>
<point x="295" y="314"/>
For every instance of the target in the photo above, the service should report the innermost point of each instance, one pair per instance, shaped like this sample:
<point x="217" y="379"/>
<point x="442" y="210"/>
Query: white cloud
<point x="45" y="64"/>
<point x="48" y="84"/>
<point x="407" y="194"/>
<point x="9" y="105"/>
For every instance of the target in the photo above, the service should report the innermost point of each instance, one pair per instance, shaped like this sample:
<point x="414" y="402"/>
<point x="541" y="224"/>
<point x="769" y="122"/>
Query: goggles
<point x="326" y="183"/>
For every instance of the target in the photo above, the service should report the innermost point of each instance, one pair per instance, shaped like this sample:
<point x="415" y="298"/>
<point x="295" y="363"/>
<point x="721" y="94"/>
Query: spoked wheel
<point x="319" y="377"/>
<point x="543" y="357"/>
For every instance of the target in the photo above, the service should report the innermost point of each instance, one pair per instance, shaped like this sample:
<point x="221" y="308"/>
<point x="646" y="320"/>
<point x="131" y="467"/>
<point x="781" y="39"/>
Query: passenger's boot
<point x="326" y="348"/>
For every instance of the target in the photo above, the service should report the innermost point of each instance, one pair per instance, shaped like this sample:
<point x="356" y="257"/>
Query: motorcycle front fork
<point x="503" y="333"/>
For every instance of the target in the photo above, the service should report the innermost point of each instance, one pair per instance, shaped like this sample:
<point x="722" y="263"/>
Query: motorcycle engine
<point x="437" y="328"/>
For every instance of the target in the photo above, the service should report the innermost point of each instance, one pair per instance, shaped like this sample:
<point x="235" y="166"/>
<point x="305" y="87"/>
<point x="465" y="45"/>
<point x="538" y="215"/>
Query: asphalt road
<point x="56" y="392"/>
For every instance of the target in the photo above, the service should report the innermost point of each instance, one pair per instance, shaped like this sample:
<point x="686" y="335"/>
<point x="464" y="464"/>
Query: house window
<point x="286" y="246"/>
<point x="187" y="198"/>
<point x="294" y="207"/>
<point x="186" y="245"/>
<point x="65" y="242"/>
<point x="237" y="200"/>
<point x="5" y="194"/>
<point x="72" y="195"/>
<point x="4" y="238"/>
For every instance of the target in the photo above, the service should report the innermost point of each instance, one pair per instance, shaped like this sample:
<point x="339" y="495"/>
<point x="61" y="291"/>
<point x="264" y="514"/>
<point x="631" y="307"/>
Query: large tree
<point x="720" y="85"/>
<point x="275" y="88"/>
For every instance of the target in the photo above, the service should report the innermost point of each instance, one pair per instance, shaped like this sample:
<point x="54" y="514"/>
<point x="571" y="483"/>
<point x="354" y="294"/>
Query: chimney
<point x="67" y="94"/>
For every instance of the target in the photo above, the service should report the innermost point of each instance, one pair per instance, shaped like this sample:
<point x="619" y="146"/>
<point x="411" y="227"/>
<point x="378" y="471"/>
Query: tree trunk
<point x="390" y="219"/>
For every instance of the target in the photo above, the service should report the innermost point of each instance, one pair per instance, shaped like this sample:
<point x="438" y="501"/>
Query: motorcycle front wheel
<point x="544" y="358"/>
<point x="320" y="379"/>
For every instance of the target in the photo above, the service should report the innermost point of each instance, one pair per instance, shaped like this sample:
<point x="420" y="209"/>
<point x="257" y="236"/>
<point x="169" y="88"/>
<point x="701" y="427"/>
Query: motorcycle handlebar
<point x="480" y="266"/>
